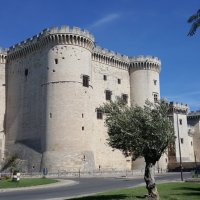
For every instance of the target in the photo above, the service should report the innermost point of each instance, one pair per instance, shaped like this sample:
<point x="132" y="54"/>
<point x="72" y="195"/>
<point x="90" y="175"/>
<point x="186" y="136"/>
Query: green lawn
<point x="25" y="182"/>
<point x="167" y="191"/>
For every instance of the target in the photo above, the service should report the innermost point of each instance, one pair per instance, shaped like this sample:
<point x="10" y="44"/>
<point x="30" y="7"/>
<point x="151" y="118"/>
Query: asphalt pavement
<point x="85" y="186"/>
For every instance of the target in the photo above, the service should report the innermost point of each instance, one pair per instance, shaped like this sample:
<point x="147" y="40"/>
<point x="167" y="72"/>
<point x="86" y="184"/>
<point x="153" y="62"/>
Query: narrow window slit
<point x="26" y="72"/>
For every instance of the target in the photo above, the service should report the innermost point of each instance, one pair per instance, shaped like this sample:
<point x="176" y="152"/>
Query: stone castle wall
<point x="194" y="120"/>
<point x="104" y="156"/>
<point x="2" y="102"/>
<point x="51" y="118"/>
<point x="180" y="112"/>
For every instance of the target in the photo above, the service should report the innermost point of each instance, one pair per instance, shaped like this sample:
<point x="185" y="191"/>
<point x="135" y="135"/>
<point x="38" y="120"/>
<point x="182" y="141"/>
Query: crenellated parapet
<point x="110" y="58"/>
<point x="179" y="108"/>
<point x="3" y="55"/>
<point x="54" y="36"/>
<point x="102" y="55"/>
<point x="194" y="115"/>
<point x="148" y="62"/>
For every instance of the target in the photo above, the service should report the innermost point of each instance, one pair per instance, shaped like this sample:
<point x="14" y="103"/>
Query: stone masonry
<point x="49" y="115"/>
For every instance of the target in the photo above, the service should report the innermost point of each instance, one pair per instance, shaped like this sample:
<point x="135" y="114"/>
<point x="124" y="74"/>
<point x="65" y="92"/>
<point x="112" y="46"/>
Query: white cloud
<point x="105" y="20"/>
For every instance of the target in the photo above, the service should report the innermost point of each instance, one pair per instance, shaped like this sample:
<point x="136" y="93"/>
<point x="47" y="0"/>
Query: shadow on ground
<point x="188" y="189"/>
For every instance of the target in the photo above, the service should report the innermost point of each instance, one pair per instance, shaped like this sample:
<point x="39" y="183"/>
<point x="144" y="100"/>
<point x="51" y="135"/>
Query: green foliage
<point x="136" y="131"/>
<point x="8" y="177"/>
<point x="195" y="20"/>
<point x="11" y="162"/>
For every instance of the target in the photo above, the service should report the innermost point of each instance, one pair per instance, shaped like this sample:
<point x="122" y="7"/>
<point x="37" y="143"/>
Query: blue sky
<point x="130" y="27"/>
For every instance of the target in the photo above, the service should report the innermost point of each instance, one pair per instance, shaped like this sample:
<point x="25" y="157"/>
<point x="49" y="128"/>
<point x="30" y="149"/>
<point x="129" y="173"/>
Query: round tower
<point x="49" y="109"/>
<point x="144" y="84"/>
<point x="144" y="79"/>
<point x="67" y="111"/>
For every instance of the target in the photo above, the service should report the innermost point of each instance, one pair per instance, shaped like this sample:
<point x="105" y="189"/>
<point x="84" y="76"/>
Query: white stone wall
<point x="183" y="133"/>
<point x="24" y="107"/>
<point x="193" y="120"/>
<point x="67" y="108"/>
<point x="142" y="85"/>
<point x="191" y="148"/>
<point x="2" y="107"/>
<point x="104" y="156"/>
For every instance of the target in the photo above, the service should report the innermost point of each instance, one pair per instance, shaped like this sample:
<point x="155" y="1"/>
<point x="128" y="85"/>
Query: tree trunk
<point x="150" y="180"/>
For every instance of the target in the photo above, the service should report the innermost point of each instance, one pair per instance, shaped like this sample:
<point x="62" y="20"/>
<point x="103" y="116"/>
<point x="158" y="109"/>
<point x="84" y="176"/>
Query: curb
<point x="61" y="183"/>
<point x="192" y="181"/>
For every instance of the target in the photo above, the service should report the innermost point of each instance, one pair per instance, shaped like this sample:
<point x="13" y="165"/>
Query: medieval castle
<point x="51" y="88"/>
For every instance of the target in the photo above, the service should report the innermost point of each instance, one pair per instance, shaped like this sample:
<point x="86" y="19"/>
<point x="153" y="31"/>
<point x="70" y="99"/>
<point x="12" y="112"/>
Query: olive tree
<point x="139" y="132"/>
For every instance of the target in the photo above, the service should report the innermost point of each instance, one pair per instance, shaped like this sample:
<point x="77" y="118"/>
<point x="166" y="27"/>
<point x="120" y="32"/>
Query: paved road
<point x="85" y="186"/>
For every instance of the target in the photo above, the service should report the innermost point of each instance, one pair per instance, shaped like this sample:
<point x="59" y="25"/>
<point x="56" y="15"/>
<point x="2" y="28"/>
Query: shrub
<point x="8" y="177"/>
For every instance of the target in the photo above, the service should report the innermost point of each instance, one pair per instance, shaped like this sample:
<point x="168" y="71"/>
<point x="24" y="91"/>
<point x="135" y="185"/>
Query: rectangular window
<point x="181" y="140"/>
<point x="155" y="81"/>
<point x="26" y="72"/>
<point x="104" y="77"/>
<point x="155" y="98"/>
<point x="56" y="61"/>
<point x="82" y="128"/>
<point x="85" y="81"/>
<point x="108" y="95"/>
<point x="119" y="81"/>
<point x="50" y="115"/>
<point x="180" y="120"/>
<point x="99" y="114"/>
<point x="125" y="97"/>
<point x="191" y="143"/>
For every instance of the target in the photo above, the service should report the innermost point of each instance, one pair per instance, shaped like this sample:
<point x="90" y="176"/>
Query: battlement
<point x="3" y="51"/>
<point x="179" y="108"/>
<point x="148" y="59"/>
<point x="178" y="105"/>
<point x="126" y="58"/>
<point x="111" y="54"/>
<point x="194" y="114"/>
<point x="53" y="30"/>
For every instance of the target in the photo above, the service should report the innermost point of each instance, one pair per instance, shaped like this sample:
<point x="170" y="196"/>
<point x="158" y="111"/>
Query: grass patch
<point x="167" y="191"/>
<point x="26" y="182"/>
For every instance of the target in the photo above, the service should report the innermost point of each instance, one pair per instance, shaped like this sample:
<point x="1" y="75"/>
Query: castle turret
<point x="144" y="79"/>
<point x="49" y="105"/>
<point x="144" y="84"/>
<point x="178" y="112"/>
<point x="3" y="55"/>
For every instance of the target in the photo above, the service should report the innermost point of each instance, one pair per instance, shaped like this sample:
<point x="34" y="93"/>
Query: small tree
<point x="10" y="162"/>
<point x="195" y="20"/>
<point x="140" y="132"/>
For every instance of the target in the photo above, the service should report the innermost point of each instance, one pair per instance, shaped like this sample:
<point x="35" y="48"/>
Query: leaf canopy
<point x="136" y="131"/>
